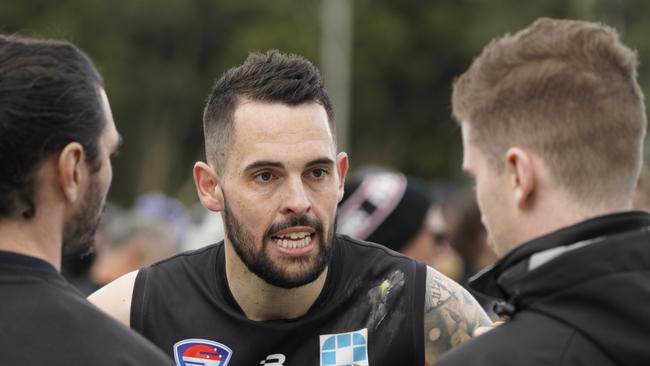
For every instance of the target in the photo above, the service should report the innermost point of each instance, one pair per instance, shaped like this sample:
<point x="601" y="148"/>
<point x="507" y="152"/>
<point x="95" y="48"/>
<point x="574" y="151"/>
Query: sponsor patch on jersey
<point x="201" y="352"/>
<point x="344" y="349"/>
<point x="276" y="359"/>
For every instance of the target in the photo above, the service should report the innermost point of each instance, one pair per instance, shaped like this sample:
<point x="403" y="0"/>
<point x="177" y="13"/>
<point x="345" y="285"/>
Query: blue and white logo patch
<point x="344" y="349"/>
<point x="201" y="352"/>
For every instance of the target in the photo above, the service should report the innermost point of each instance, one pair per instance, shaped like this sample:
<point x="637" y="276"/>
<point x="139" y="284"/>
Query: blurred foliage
<point x="159" y="59"/>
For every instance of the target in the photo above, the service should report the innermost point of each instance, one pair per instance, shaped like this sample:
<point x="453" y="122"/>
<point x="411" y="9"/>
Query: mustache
<point x="303" y="220"/>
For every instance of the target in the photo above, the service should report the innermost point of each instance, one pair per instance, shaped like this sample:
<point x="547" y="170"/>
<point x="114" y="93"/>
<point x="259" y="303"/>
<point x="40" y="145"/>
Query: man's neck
<point x="30" y="238"/>
<point x="561" y="212"/>
<point x="260" y="301"/>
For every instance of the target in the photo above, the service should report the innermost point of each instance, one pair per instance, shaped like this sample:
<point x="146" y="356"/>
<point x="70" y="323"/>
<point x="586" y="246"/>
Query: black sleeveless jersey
<point x="370" y="312"/>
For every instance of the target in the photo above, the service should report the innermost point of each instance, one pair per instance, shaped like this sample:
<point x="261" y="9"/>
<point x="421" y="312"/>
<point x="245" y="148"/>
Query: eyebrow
<point x="263" y="164"/>
<point x="321" y="161"/>
<point x="274" y="164"/>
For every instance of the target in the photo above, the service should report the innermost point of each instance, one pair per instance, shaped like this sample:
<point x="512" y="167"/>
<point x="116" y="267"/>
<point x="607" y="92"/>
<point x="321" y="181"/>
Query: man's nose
<point x="296" y="199"/>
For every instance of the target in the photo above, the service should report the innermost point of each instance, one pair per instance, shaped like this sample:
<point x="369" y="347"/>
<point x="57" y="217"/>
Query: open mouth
<point x="294" y="239"/>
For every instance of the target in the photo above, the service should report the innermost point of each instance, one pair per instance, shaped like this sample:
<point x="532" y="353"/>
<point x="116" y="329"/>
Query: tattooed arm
<point x="451" y="315"/>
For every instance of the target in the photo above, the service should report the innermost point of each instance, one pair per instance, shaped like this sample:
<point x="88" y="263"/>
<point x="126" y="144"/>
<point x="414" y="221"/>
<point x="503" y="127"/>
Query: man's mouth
<point x="290" y="239"/>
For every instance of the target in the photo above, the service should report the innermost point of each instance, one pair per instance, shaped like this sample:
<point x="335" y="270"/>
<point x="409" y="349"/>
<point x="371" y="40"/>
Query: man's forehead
<point x="267" y="122"/>
<point x="282" y="133"/>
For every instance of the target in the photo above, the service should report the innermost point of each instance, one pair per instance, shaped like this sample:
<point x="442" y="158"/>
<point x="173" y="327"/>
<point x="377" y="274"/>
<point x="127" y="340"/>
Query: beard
<point x="259" y="262"/>
<point x="79" y="231"/>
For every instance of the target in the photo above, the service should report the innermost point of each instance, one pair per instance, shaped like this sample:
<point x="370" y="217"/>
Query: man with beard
<point x="282" y="289"/>
<point x="553" y="122"/>
<point x="56" y="138"/>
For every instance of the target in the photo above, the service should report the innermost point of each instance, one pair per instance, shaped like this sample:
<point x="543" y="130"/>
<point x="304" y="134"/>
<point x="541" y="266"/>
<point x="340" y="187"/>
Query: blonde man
<point x="553" y="122"/>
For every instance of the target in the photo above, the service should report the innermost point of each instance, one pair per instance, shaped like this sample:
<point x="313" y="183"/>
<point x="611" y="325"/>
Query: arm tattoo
<point x="451" y="315"/>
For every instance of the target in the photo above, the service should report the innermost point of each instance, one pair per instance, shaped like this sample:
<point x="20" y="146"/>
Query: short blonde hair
<point x="568" y="91"/>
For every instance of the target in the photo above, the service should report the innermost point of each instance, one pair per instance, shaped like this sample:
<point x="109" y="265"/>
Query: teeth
<point x="300" y="240"/>
<point x="294" y="236"/>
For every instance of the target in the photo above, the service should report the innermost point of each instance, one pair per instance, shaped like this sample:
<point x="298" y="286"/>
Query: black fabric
<point x="45" y="321"/>
<point x="15" y="259"/>
<point x="404" y="221"/>
<point x="187" y="297"/>
<point x="587" y="306"/>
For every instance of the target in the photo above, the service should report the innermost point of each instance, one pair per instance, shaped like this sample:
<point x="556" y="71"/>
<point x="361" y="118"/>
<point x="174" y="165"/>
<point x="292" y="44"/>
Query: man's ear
<point x="72" y="171"/>
<point x="208" y="187"/>
<point x="522" y="175"/>
<point x="342" y="165"/>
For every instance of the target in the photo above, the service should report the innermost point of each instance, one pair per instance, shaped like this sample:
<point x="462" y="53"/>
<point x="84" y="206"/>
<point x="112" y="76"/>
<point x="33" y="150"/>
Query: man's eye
<point x="319" y="173"/>
<point x="264" y="177"/>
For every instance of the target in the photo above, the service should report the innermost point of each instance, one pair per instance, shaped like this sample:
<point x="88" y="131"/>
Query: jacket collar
<point x="495" y="280"/>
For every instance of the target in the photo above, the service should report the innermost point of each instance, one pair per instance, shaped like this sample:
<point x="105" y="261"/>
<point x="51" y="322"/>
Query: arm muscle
<point x="451" y="315"/>
<point x="115" y="298"/>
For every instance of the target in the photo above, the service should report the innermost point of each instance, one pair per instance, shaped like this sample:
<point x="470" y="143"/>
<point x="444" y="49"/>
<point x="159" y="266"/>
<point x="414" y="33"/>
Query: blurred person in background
<point x="57" y="137"/>
<point x="166" y="209"/>
<point x="553" y="122"/>
<point x="399" y="212"/>
<point x="207" y="228"/>
<point x="136" y="241"/>
<point x="151" y="231"/>
<point x="468" y="236"/>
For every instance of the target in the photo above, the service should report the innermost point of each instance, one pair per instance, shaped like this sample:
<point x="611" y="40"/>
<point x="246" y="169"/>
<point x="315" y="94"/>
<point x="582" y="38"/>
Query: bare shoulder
<point x="451" y="315"/>
<point x="115" y="298"/>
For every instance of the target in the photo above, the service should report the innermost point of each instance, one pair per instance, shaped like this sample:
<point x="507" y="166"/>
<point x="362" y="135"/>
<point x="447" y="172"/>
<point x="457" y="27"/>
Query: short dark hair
<point x="49" y="97"/>
<point x="272" y="77"/>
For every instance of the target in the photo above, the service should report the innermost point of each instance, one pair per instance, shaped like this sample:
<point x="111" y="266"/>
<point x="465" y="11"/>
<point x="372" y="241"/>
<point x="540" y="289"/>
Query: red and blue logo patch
<point x="201" y="352"/>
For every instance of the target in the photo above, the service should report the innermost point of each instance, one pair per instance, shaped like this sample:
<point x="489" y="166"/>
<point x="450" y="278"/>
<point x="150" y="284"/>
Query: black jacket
<point x="578" y="296"/>
<point x="45" y="321"/>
